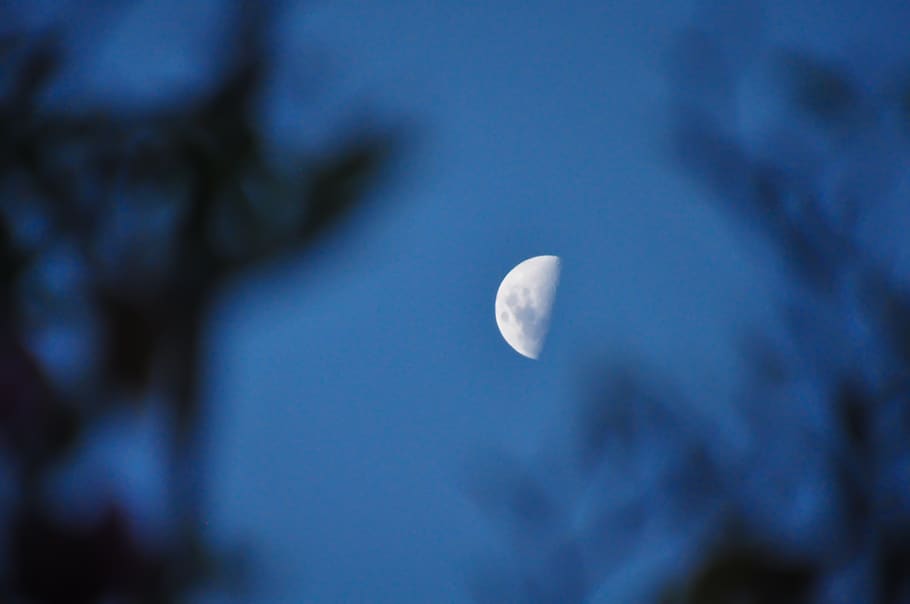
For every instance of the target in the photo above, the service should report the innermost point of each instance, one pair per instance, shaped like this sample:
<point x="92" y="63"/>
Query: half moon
<point x="524" y="302"/>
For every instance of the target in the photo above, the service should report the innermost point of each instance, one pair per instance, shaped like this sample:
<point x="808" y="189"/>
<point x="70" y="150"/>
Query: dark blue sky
<point x="353" y="390"/>
<point x="356" y="388"/>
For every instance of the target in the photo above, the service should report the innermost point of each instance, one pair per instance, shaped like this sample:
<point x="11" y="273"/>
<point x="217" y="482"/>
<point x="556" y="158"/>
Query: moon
<point x="524" y="302"/>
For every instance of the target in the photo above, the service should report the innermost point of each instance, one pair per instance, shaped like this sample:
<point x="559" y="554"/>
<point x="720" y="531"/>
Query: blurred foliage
<point x="748" y="577"/>
<point x="799" y="490"/>
<point x="119" y="225"/>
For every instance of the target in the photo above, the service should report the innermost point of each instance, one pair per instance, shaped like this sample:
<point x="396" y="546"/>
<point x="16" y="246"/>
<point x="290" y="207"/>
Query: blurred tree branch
<point x="813" y="505"/>
<point x="157" y="208"/>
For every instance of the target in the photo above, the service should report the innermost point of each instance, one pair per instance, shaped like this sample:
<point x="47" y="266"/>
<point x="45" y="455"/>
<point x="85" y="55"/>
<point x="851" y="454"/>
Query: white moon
<point x="524" y="302"/>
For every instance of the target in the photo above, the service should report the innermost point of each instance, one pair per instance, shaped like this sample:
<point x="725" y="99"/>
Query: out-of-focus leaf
<point x="36" y="427"/>
<point x="625" y="408"/>
<point x="559" y="578"/>
<point x="744" y="576"/>
<point x="895" y="572"/>
<point x="509" y="492"/>
<point x="150" y="282"/>
<point x="855" y="407"/>
<point x="41" y="60"/>
<point x="889" y="309"/>
<point x="713" y="156"/>
<point x="821" y="90"/>
<point x="764" y="359"/>
<point x="12" y="262"/>
<point x="132" y="341"/>
<point x="338" y="183"/>
<point x="88" y="563"/>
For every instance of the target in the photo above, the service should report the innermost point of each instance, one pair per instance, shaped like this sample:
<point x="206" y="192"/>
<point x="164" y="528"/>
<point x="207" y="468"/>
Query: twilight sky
<point x="358" y="386"/>
<point x="356" y="393"/>
<point x="355" y="388"/>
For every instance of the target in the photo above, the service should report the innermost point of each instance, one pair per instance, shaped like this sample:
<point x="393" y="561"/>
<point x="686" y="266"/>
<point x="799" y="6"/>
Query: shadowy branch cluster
<point x="799" y="490"/>
<point x="117" y="227"/>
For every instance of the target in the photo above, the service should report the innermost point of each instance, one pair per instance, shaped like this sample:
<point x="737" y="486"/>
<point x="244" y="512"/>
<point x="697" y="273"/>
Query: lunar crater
<point x="524" y="303"/>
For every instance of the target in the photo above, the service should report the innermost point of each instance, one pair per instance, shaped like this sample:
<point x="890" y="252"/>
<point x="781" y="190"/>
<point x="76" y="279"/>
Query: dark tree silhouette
<point x="810" y="501"/>
<point x="820" y="189"/>
<point x="148" y="210"/>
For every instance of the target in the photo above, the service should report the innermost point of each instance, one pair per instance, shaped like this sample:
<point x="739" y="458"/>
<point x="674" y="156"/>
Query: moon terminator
<point x="524" y="303"/>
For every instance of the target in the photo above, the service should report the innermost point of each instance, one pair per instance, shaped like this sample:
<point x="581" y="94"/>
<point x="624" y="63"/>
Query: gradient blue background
<point x="352" y="392"/>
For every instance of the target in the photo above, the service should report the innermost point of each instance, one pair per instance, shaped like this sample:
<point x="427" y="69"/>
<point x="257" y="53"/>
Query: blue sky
<point x="353" y="391"/>
<point x="355" y="388"/>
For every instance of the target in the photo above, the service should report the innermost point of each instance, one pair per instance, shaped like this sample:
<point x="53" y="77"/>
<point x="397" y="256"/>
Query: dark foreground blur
<point x="797" y="490"/>
<point x="119" y="220"/>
